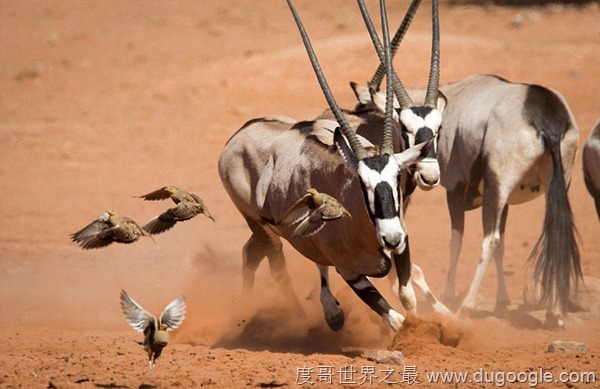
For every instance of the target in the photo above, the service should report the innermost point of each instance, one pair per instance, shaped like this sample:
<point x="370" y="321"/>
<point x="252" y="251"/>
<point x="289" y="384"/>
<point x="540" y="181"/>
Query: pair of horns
<point x="434" y="70"/>
<point x="386" y="58"/>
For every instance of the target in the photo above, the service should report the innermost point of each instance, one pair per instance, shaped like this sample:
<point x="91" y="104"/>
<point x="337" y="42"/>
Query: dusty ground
<point x="103" y="101"/>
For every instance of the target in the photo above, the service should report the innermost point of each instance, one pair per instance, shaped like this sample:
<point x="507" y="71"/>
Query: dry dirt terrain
<point x="103" y="101"/>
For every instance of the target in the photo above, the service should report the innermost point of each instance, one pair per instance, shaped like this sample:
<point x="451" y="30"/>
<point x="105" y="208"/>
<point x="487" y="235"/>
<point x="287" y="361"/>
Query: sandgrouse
<point x="312" y="211"/>
<point x="108" y="228"/>
<point x="156" y="336"/>
<point x="188" y="206"/>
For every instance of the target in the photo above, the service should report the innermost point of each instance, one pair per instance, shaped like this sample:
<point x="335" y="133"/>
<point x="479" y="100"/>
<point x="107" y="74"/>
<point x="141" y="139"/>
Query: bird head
<point x="171" y="189"/>
<point x="312" y="192"/>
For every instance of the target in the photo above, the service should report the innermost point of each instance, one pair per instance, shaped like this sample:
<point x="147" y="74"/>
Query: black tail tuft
<point x="556" y="254"/>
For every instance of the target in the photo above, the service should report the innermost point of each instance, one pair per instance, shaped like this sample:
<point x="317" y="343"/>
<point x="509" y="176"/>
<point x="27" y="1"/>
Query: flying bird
<point x="108" y="228"/>
<point x="156" y="335"/>
<point x="312" y="211"/>
<point x="188" y="206"/>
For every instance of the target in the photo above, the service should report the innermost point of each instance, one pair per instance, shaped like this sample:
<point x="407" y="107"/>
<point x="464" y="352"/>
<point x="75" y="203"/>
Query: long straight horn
<point x="434" y="72"/>
<point x="357" y="147"/>
<point x="403" y="97"/>
<point x="387" y="146"/>
<point x="375" y="82"/>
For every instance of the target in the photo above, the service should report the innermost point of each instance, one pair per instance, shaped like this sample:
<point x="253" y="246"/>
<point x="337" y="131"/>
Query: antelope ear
<point x="344" y="148"/>
<point x="442" y="101"/>
<point x="378" y="99"/>
<point x="413" y="154"/>
<point x="361" y="92"/>
<point x="379" y="102"/>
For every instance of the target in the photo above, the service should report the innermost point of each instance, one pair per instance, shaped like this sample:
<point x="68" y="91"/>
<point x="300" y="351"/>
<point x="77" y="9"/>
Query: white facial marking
<point x="389" y="231"/>
<point x="411" y="121"/>
<point x="433" y="120"/>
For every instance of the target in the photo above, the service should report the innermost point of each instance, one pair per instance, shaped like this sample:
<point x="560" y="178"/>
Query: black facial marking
<point x="377" y="163"/>
<point x="423" y="135"/>
<point x="421" y="111"/>
<point x="385" y="205"/>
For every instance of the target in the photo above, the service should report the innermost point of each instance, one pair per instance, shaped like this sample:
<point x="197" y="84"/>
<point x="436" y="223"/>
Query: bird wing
<point x="137" y="317"/>
<point x="104" y="238"/>
<point x="297" y="212"/>
<point x="310" y="225"/>
<point x="161" y="223"/>
<point x="173" y="314"/>
<point x="159" y="194"/>
<point x="92" y="229"/>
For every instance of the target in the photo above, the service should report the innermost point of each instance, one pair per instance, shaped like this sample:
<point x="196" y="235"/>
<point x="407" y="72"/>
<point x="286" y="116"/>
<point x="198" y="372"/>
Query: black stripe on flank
<point x="385" y="205"/>
<point x="305" y="127"/>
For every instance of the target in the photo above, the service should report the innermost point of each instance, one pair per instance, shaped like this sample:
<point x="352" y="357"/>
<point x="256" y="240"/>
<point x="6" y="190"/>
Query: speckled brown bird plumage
<point x="156" y="335"/>
<point x="188" y="206"/>
<point x="108" y="228"/>
<point x="312" y="211"/>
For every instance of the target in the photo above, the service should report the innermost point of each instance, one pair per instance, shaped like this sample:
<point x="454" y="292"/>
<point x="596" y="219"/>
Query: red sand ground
<point x="103" y="101"/>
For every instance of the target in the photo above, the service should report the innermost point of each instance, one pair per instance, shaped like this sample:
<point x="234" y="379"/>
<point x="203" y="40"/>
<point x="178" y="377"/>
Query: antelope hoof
<point x="335" y="319"/>
<point x="334" y="316"/>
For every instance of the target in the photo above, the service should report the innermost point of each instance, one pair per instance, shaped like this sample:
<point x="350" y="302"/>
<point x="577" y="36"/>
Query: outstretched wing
<point x="161" y="223"/>
<point x="137" y="317"/>
<point x="159" y="194"/>
<point x="297" y="212"/>
<point x="310" y="225"/>
<point x="96" y="234"/>
<point x="92" y="229"/>
<point x="173" y="314"/>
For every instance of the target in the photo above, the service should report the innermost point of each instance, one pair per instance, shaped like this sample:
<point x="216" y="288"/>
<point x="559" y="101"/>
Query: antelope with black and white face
<point x="419" y="123"/>
<point x="270" y="163"/>
<point x="422" y="125"/>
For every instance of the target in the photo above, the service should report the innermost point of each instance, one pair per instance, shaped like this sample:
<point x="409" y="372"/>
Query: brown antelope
<point x="505" y="143"/>
<point x="591" y="165"/>
<point x="270" y="163"/>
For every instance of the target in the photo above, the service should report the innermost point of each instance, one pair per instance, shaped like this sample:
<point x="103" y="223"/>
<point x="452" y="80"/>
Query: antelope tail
<point x="556" y="254"/>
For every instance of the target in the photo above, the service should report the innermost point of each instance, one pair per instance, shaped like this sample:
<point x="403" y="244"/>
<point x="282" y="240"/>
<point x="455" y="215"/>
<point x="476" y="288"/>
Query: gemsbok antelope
<point x="267" y="166"/>
<point x="418" y="124"/>
<point x="591" y="165"/>
<point x="505" y="143"/>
